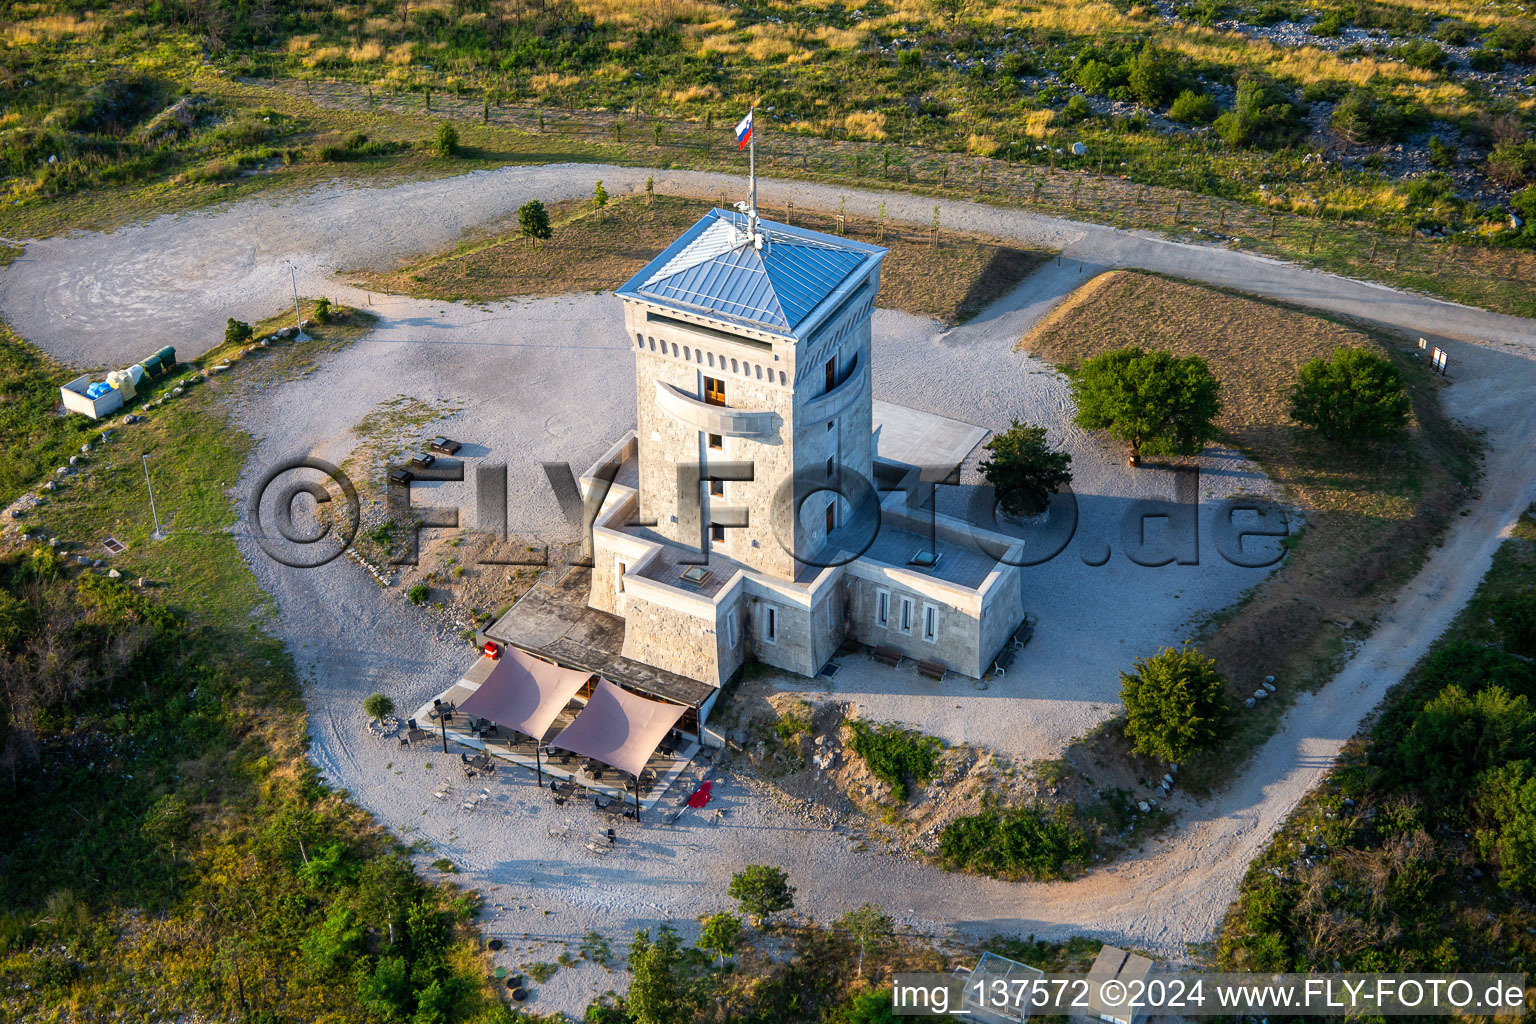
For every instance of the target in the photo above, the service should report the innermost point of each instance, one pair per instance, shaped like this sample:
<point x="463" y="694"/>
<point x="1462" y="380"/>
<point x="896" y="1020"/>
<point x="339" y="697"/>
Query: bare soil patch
<point x="1372" y="510"/>
<point x="596" y="249"/>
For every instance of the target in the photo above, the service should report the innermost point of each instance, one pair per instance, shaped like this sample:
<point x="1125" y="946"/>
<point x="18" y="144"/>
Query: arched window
<point x="782" y="379"/>
<point x="711" y="359"/>
<point x="733" y="367"/>
<point x="687" y="354"/>
<point x="674" y="349"/>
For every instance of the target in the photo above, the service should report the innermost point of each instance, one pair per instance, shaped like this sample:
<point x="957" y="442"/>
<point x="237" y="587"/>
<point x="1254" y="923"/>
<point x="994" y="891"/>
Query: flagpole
<point x="752" y="174"/>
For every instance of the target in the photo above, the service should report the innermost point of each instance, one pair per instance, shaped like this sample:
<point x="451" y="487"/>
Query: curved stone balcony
<point x="713" y="419"/>
<point x="840" y="397"/>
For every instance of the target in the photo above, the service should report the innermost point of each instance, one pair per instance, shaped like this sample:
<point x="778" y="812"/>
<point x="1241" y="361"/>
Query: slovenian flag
<point x="744" y="131"/>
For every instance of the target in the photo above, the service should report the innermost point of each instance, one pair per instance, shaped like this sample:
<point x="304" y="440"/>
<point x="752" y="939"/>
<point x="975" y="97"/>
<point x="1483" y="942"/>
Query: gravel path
<point x="95" y="299"/>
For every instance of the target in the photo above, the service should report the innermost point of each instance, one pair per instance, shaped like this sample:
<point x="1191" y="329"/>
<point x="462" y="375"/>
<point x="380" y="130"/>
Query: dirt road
<point x="103" y="299"/>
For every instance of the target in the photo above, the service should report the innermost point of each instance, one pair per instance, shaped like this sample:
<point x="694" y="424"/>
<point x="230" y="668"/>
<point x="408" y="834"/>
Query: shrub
<point x="865" y="1008"/>
<point x="1456" y="736"/>
<point x="1363" y="117"/>
<point x="1441" y="153"/>
<point x="236" y="332"/>
<point x="599" y="195"/>
<point x="323" y="310"/>
<point x="1173" y="704"/>
<point x="1021" y="842"/>
<point x="1330" y="24"/>
<point x="1156" y="403"/>
<point x="418" y="594"/>
<point x="378" y="705"/>
<point x="1024" y="470"/>
<point x="896" y="755"/>
<point x="1421" y="53"/>
<point x="1515" y="617"/>
<point x="1077" y="109"/>
<point x="1356" y="394"/>
<point x="761" y="890"/>
<point x="720" y="934"/>
<point x="1262" y="115"/>
<point x="1193" y="108"/>
<point x="1506" y="805"/>
<point x="1455" y="31"/>
<point x="446" y="143"/>
<point x="1513" y="164"/>
<point x="1474" y="667"/>
<point x="1485" y="60"/>
<point x="1097" y="77"/>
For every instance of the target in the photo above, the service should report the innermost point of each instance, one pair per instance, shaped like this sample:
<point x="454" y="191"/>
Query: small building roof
<point x="1115" y="964"/>
<point x="717" y="270"/>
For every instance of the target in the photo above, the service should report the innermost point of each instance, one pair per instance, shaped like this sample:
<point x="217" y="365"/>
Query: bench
<point x="932" y="669"/>
<point x="889" y="655"/>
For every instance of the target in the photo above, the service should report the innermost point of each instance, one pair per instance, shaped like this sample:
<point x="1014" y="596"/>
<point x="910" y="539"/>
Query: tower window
<point x="930" y="623"/>
<point x="717" y="488"/>
<point x="882" y="607"/>
<point x="771" y="625"/>
<point x="714" y="391"/>
<point x="830" y="463"/>
<point x="831" y="373"/>
<point x="716" y="533"/>
<point x="716" y="442"/>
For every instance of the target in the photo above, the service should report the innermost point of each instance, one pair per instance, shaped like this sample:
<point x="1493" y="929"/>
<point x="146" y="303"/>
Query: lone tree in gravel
<point x="1356" y="394"/>
<point x="533" y="219"/>
<point x="761" y="890"/>
<point x="1158" y="404"/>
<point x="378" y="705"/>
<point x="1173" y="703"/>
<point x="720" y="934"/>
<point x="868" y="926"/>
<point x="236" y="332"/>
<point x="1025" y="470"/>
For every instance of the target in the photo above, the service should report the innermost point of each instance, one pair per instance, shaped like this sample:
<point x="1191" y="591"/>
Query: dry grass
<point x="950" y="283"/>
<point x="1371" y="510"/>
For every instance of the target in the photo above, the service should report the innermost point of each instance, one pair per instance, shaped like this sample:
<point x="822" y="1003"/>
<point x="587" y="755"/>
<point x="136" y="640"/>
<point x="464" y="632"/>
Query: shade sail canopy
<point x="524" y="694"/>
<point x="619" y="728"/>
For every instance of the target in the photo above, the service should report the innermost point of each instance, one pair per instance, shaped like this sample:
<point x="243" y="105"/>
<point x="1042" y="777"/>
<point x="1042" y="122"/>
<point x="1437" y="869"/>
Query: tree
<point x="1193" y="107"/>
<point x="650" y="183"/>
<point x="1355" y="395"/>
<point x="447" y="141"/>
<point x="1024" y="470"/>
<point x="761" y="890"/>
<point x="1173" y="703"/>
<point x="323" y="310"/>
<point x="384" y="989"/>
<point x="720" y="935"/>
<point x="1155" y="402"/>
<point x="236" y="332"/>
<point x="1457" y="736"/>
<point x="659" y="988"/>
<point x="1506" y="803"/>
<point x="167" y="824"/>
<point x="377" y="706"/>
<point x="868" y="926"/>
<point x="533" y="219"/>
<point x="599" y="195"/>
<point x="1154" y="75"/>
<point x="383" y="887"/>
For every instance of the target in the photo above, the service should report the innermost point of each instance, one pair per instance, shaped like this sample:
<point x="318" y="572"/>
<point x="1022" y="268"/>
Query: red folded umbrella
<point x="700" y="796"/>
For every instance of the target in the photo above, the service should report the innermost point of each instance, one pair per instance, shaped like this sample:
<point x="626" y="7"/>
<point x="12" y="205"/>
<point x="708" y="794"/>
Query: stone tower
<point x="753" y="349"/>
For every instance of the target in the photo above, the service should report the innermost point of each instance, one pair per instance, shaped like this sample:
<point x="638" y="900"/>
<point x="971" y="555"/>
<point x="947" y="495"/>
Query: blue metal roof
<point x="715" y="269"/>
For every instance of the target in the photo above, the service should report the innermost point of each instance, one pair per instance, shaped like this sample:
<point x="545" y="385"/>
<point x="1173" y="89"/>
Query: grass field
<point x="1372" y="511"/>
<point x="1380" y="870"/>
<point x="594" y="250"/>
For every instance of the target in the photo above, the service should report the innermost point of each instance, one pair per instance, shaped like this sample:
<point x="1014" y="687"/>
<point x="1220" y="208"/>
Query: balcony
<point x="710" y="418"/>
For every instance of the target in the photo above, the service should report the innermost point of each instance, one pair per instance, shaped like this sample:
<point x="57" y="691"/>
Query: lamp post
<point x="298" y="320"/>
<point x="158" y="534"/>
